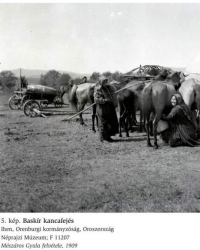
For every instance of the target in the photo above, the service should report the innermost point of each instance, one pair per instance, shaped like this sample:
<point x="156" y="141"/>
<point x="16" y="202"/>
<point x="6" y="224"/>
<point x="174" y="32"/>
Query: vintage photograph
<point x="99" y="108"/>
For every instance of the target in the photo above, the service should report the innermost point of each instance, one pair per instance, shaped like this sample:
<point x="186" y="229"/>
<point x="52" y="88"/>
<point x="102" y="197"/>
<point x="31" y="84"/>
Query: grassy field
<point x="53" y="166"/>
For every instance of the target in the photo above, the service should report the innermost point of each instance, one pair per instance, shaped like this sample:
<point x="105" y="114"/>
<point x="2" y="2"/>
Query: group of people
<point x="180" y="132"/>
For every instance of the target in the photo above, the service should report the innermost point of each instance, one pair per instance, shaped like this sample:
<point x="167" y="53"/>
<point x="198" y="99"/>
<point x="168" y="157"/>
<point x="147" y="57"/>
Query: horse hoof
<point x="149" y="145"/>
<point x="155" y="147"/>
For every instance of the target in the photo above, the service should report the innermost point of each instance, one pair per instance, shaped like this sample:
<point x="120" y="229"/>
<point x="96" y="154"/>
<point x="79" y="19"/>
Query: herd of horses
<point x="152" y="98"/>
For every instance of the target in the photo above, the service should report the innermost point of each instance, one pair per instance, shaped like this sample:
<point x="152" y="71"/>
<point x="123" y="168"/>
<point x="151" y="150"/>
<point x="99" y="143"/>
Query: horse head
<point x="176" y="78"/>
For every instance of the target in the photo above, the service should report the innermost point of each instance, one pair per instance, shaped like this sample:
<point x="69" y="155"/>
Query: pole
<point x="95" y="103"/>
<point x="65" y="120"/>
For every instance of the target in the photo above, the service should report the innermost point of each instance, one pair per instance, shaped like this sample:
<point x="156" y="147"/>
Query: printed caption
<point x="48" y="233"/>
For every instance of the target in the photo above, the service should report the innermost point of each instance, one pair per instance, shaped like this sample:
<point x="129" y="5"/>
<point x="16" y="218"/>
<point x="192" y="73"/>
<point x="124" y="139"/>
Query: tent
<point x="192" y="70"/>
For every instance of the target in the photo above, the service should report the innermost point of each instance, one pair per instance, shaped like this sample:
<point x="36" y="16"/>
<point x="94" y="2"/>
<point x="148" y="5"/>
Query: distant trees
<point x="51" y="79"/>
<point x="94" y="77"/>
<point x="54" y="79"/>
<point x="8" y="80"/>
<point x="116" y="76"/>
<point x="64" y="79"/>
<point x="107" y="74"/>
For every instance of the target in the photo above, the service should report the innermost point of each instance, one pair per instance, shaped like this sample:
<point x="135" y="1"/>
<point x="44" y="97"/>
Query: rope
<point x="95" y="103"/>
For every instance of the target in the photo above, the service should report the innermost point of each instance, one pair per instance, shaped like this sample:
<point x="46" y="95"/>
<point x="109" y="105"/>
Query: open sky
<point x="90" y="37"/>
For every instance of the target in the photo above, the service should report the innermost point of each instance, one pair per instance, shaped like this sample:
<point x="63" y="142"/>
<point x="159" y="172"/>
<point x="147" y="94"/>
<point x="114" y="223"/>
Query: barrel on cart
<point x="38" y="97"/>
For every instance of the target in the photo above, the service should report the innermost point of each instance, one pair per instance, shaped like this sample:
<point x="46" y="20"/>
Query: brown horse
<point x="128" y="104"/>
<point x="156" y="98"/>
<point x="129" y="101"/>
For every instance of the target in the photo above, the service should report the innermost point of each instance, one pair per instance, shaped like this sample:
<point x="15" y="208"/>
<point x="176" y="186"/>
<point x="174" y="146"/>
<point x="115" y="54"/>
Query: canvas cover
<point x="40" y="89"/>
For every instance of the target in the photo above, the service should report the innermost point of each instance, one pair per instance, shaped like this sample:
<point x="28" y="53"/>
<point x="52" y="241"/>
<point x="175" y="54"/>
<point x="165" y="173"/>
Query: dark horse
<point x="129" y="101"/>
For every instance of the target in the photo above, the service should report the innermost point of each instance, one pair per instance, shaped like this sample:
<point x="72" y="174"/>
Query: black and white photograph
<point x="99" y="108"/>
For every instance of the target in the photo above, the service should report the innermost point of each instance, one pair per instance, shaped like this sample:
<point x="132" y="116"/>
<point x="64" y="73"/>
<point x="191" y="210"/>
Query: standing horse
<point x="190" y="91"/>
<point x="156" y="98"/>
<point x="129" y="101"/>
<point x="79" y="96"/>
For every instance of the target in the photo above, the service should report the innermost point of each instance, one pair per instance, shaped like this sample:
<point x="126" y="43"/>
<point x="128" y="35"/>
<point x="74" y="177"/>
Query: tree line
<point x="53" y="78"/>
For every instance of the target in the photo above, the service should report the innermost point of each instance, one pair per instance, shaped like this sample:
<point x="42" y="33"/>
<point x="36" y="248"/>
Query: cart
<point x="37" y="95"/>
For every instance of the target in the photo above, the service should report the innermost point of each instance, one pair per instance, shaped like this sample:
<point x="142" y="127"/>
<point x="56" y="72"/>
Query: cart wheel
<point x="58" y="102"/>
<point x="44" y="104"/>
<point x="14" y="102"/>
<point x="25" y="99"/>
<point x="29" y="106"/>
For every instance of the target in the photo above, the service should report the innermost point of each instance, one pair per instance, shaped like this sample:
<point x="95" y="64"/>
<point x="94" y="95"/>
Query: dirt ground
<point x="53" y="166"/>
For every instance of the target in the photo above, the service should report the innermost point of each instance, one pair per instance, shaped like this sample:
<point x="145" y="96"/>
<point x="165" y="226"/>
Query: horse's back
<point x="189" y="90"/>
<point x="135" y="85"/>
<point x="85" y="86"/>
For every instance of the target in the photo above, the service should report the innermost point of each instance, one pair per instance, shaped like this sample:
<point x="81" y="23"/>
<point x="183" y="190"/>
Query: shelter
<point x="146" y="72"/>
<point x="192" y="70"/>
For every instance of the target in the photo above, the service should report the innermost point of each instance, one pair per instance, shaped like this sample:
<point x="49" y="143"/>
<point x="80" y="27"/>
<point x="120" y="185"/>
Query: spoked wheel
<point x="58" y="102"/>
<point x="44" y="104"/>
<point x="25" y="99"/>
<point x="29" y="107"/>
<point x="15" y="102"/>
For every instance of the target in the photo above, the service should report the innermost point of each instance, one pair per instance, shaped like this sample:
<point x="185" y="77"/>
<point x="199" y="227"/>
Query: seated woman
<point x="107" y="117"/>
<point x="182" y="130"/>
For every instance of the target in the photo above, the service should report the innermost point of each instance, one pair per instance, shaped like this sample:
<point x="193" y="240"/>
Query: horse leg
<point x="126" y="125"/>
<point x="146" y="119"/>
<point x="198" y="109"/>
<point x="155" y="125"/>
<point x="151" y="124"/>
<point x="141" y="118"/>
<point x="81" y="120"/>
<point x="120" y="126"/>
<point x="97" y="122"/>
<point x="120" y="117"/>
<point x="81" y="107"/>
<point x="130" y="123"/>
<point x="93" y="118"/>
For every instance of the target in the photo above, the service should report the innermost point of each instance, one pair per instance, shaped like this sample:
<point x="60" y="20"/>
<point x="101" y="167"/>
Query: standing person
<point x="107" y="117"/>
<point x="84" y="80"/>
<point x="182" y="130"/>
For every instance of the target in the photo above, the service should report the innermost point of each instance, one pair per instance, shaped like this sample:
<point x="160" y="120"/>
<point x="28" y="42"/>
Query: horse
<point x="129" y="102"/>
<point x="79" y="96"/>
<point x="156" y="98"/>
<point x="190" y="91"/>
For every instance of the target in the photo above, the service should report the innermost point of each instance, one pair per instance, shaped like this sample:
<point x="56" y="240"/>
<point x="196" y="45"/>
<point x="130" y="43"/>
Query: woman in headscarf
<point x="107" y="117"/>
<point x="182" y="129"/>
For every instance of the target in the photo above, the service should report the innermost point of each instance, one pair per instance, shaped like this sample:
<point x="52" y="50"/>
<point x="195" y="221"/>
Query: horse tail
<point x="146" y="100"/>
<point x="73" y="98"/>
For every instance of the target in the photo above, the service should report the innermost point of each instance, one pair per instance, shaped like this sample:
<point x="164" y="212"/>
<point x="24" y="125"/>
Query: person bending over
<point x="181" y="130"/>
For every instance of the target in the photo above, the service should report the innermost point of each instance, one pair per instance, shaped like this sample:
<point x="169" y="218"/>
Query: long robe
<point x="107" y="117"/>
<point x="182" y="128"/>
